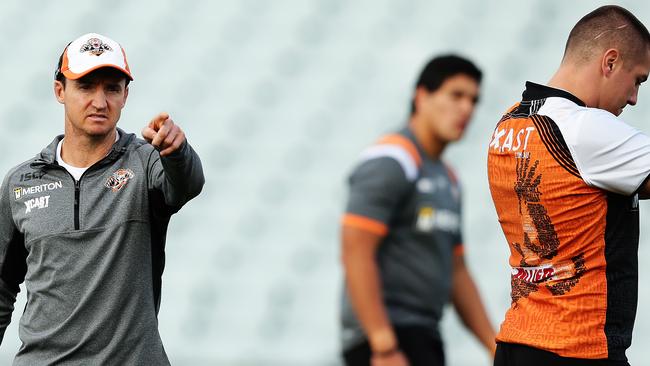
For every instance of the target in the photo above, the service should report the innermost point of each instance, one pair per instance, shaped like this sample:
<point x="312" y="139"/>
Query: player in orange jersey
<point x="565" y="175"/>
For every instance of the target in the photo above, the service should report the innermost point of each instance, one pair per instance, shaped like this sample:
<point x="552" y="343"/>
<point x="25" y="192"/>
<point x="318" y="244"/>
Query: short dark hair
<point x="606" y="27"/>
<point x="58" y="75"/>
<point x="442" y="68"/>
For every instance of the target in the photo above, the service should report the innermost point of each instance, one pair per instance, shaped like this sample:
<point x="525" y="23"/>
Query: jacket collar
<point x="47" y="156"/>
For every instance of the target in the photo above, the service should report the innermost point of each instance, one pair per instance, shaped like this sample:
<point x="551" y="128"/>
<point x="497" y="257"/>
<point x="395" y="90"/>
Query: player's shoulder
<point x="567" y="111"/>
<point x="597" y="117"/>
<point x="20" y="170"/>
<point x="562" y="110"/>
<point x="582" y="124"/>
<point x="141" y="145"/>
<point x="391" y="151"/>
<point x="134" y="143"/>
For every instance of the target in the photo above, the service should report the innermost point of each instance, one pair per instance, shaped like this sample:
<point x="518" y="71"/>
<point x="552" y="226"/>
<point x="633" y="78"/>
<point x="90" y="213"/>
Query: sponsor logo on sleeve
<point x="119" y="179"/>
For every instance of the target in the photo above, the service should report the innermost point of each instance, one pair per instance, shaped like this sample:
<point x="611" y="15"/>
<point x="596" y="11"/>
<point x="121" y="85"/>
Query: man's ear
<point x="610" y="61"/>
<point x="126" y="95"/>
<point x="421" y="94"/>
<point x="59" y="91"/>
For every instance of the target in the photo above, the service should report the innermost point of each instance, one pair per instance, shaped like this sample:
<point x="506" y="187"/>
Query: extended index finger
<point x="158" y="120"/>
<point x="148" y="134"/>
<point x="165" y="127"/>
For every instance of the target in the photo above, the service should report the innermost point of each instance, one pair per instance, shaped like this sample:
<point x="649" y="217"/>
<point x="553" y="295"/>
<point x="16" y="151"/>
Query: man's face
<point x="449" y="108"/>
<point x="622" y="88"/>
<point x="93" y="103"/>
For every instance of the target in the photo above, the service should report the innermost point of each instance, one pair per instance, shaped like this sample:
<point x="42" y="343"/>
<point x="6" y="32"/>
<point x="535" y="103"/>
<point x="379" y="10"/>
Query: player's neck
<point x="578" y="81"/>
<point x="432" y="146"/>
<point x="82" y="151"/>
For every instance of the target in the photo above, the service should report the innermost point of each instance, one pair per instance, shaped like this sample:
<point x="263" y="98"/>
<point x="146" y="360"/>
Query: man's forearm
<point x="469" y="307"/>
<point x="184" y="174"/>
<point x="364" y="289"/>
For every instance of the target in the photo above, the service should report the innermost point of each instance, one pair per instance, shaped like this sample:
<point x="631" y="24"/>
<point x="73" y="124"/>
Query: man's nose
<point x="99" y="99"/>
<point x="633" y="98"/>
<point x="467" y="106"/>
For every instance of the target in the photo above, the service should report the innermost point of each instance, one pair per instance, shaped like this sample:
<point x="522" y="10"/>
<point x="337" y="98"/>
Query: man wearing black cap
<point x="83" y="223"/>
<point x="402" y="247"/>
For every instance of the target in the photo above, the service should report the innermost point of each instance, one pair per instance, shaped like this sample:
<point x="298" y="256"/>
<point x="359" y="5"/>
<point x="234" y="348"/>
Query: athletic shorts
<point x="418" y="344"/>
<point x="510" y="354"/>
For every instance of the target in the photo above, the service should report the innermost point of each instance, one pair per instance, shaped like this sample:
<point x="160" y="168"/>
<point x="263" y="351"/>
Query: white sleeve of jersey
<point x="608" y="153"/>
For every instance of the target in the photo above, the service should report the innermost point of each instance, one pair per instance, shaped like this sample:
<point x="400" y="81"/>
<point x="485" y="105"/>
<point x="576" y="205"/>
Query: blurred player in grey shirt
<point x="402" y="247"/>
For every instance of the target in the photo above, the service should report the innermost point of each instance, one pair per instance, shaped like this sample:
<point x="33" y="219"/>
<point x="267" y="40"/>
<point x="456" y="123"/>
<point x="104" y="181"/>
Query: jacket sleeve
<point x="178" y="176"/>
<point x="13" y="256"/>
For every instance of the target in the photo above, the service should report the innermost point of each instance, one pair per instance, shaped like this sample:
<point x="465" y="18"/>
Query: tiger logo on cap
<point x="95" y="46"/>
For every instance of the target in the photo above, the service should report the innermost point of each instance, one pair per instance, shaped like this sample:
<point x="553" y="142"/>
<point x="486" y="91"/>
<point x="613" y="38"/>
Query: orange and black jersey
<point x="563" y="179"/>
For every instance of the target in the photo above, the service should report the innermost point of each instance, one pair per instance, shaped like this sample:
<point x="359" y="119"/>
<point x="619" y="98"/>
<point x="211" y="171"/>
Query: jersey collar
<point x="536" y="91"/>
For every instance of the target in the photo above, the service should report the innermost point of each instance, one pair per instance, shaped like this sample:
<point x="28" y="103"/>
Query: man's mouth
<point x="98" y="117"/>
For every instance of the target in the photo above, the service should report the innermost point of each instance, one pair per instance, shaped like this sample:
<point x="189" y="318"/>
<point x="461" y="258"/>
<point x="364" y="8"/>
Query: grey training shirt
<point x="398" y="192"/>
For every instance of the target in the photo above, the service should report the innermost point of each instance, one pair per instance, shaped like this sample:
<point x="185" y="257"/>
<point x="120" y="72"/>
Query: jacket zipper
<point x="77" y="186"/>
<point x="77" y="193"/>
<point x="77" y="190"/>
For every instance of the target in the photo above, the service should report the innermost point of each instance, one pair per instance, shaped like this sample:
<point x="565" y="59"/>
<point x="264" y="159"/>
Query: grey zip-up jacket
<point x="91" y="253"/>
